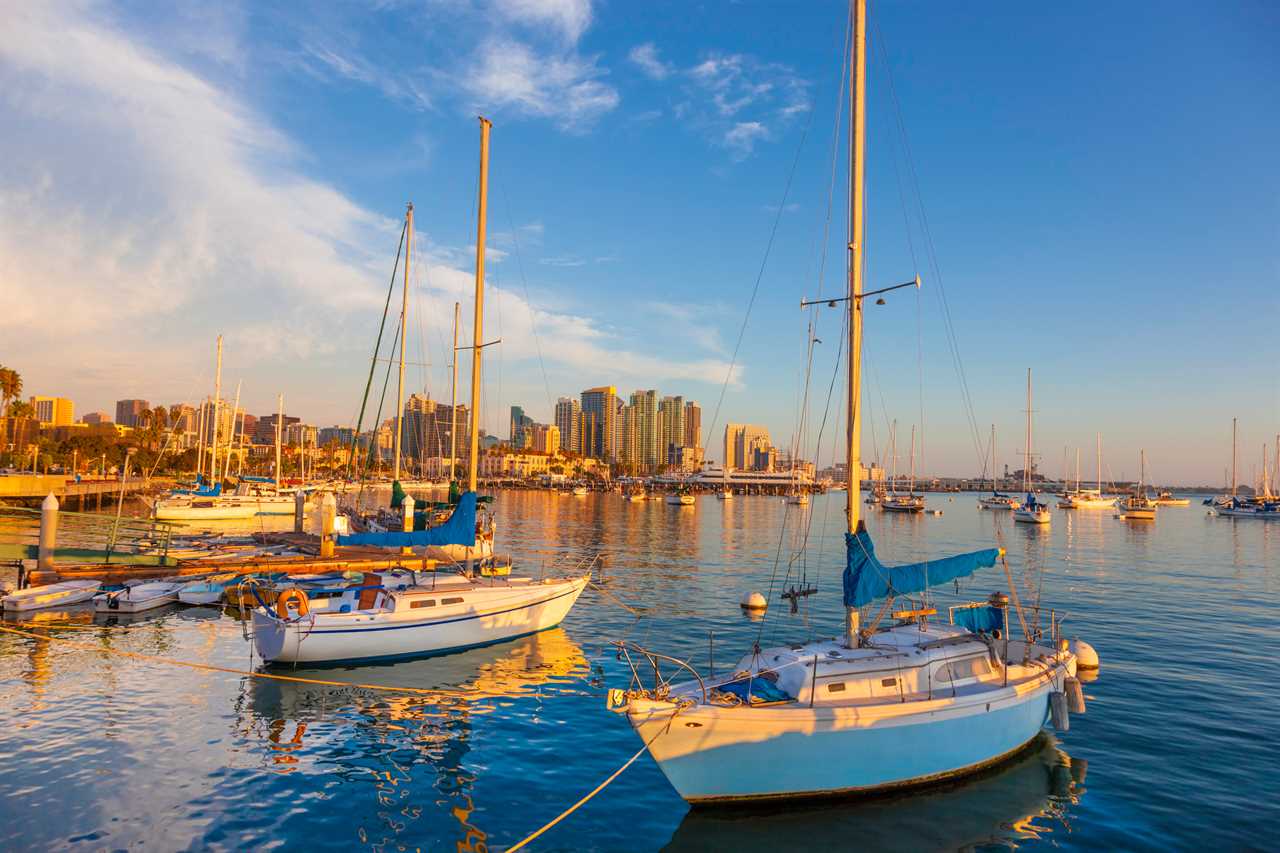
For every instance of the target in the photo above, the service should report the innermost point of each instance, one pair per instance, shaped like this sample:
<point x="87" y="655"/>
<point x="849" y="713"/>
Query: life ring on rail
<point x="291" y="595"/>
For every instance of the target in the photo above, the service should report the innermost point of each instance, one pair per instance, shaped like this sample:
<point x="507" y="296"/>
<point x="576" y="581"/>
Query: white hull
<point x="203" y="596"/>
<point x="1032" y="516"/>
<point x="136" y="599"/>
<point x="987" y="503"/>
<point x="51" y="595"/>
<point x="1087" y="503"/>
<point x="487" y="614"/>
<point x="680" y="500"/>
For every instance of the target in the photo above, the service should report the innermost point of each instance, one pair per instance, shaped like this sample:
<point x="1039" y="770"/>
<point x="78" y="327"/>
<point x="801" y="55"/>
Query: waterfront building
<point x="747" y="447"/>
<point x="53" y="411"/>
<point x="95" y="418"/>
<point x="568" y="415"/>
<point x="600" y="410"/>
<point x="301" y="435"/>
<point x="670" y="429"/>
<point x="628" y="448"/>
<point x="427" y="427"/>
<point x="543" y="438"/>
<point x="519" y="423"/>
<point x="647" y="430"/>
<point x="692" y="425"/>
<point x="264" y="431"/>
<point x="131" y="412"/>
<point x="336" y="435"/>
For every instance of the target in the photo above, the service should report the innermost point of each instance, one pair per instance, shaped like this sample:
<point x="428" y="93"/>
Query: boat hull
<point x="756" y="753"/>
<point x="1025" y="516"/>
<point x="55" y="595"/>
<point x="528" y="610"/>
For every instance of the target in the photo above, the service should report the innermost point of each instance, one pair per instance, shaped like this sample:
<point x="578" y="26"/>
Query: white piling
<point x="48" y="532"/>
<point x="299" y="511"/>
<point x="407" y="507"/>
<point x="328" y="512"/>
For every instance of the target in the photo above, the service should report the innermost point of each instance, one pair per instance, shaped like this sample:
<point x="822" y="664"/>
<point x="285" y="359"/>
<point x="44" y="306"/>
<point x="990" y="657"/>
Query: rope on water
<point x="618" y="601"/>
<point x="209" y="667"/>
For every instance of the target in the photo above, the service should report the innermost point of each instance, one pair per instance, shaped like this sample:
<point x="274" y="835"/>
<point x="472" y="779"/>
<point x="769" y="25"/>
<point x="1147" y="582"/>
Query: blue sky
<point x="1100" y="186"/>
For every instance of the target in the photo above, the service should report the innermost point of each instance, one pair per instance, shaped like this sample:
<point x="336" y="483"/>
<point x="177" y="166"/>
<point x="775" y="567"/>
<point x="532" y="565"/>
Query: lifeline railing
<point x="661" y="686"/>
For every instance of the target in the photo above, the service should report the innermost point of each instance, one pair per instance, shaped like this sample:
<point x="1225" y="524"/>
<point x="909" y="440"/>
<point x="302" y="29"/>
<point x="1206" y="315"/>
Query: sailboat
<point x="1088" y="498"/>
<point x="1137" y="506"/>
<point x="910" y="502"/>
<point x="997" y="499"/>
<point x="1264" y="505"/>
<point x="477" y="603"/>
<point x="1031" y="511"/>
<point x="885" y="705"/>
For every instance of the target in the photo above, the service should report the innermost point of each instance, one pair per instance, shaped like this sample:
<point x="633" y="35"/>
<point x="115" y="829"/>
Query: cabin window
<point x="888" y="682"/>
<point x="423" y="602"/>
<point x="451" y="601"/>
<point x="961" y="669"/>
<point x="838" y="687"/>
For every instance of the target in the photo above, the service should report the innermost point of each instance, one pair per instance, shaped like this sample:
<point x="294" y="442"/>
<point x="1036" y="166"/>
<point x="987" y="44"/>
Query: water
<point x="1178" y="749"/>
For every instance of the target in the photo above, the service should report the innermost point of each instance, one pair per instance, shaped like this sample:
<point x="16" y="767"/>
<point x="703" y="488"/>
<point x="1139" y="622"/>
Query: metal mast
<point x="453" y="395"/>
<point x="478" y="327"/>
<point x="857" y="229"/>
<point x="404" y="316"/>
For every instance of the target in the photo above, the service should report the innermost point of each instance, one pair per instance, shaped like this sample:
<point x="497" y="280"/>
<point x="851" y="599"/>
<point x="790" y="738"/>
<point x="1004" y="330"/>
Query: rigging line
<point x="764" y="262"/>
<point x="533" y="325"/>
<point x="952" y="339"/>
<point x="377" y="346"/>
<point x="386" y="380"/>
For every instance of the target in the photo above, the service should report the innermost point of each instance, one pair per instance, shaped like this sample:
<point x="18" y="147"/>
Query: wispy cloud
<point x="645" y="57"/>
<point x="567" y="18"/>
<point x="356" y="68"/>
<point x="563" y="87"/>
<point x="563" y="261"/>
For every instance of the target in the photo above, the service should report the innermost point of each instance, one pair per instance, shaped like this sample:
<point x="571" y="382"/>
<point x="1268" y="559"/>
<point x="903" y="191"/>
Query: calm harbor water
<point x="1178" y="749"/>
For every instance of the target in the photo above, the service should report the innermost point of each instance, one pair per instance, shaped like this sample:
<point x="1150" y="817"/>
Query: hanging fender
<point x="289" y="596"/>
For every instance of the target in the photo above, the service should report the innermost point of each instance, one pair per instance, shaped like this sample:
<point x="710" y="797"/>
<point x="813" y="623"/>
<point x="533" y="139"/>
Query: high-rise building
<point x="628" y="449"/>
<point x="130" y="412"/>
<point x="543" y="438"/>
<point x="568" y="412"/>
<point x="94" y="418"/>
<point x="53" y="411"/>
<point x="648" y="436"/>
<point x="264" y="431"/>
<point x="336" y="435"/>
<point x="427" y="427"/>
<point x="692" y="424"/>
<point x="670" y="429"/>
<point x="600" y="406"/>
<point x="519" y="423"/>
<point x="747" y="448"/>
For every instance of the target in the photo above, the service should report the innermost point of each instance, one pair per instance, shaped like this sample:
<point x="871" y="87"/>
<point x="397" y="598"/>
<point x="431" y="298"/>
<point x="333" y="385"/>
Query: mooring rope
<point x="209" y="667"/>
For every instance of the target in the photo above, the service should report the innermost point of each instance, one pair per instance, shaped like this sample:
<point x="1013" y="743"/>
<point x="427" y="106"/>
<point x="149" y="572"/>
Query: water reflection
<point x="1028" y="797"/>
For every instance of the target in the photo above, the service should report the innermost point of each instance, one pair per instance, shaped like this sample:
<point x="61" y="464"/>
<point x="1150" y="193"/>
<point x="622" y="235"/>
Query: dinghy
<point x="135" y="599"/>
<point x="51" y="595"/>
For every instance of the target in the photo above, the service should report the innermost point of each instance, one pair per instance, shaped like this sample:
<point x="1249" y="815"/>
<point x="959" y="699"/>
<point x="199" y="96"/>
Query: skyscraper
<point x="568" y="412"/>
<point x="671" y="430"/>
<point x="648" y="436"/>
<point x="600" y="406"/>
<point x="128" y="412"/>
<point x="692" y="424"/>
<point x="747" y="447"/>
<point x="53" y="411"/>
<point x="519" y="423"/>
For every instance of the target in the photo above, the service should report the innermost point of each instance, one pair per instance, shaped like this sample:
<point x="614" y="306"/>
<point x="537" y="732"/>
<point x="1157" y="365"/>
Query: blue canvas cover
<point x="866" y="578"/>
<point x="460" y="529"/>
<point x="985" y="618"/>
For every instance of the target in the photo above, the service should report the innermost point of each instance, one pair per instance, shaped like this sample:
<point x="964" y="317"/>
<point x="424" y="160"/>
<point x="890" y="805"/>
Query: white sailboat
<point x="1089" y="498"/>
<point x="910" y="502"/>
<point x="1031" y="511"/>
<point x="997" y="499"/>
<point x="883" y="707"/>
<point x="1137" y="506"/>
<point x="437" y="612"/>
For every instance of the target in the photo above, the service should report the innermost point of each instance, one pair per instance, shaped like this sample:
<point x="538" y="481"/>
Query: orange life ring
<point x="291" y="595"/>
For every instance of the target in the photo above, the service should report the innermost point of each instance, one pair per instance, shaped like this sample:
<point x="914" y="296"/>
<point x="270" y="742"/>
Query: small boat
<point x="207" y="590"/>
<point x="1137" y="506"/>
<point x="998" y="500"/>
<point x="579" y="491"/>
<point x="724" y="495"/>
<point x="902" y="503"/>
<point x="1169" y="499"/>
<point x="680" y="499"/>
<point x="135" y="599"/>
<point x="1238" y="508"/>
<point x="50" y="595"/>
<point x="798" y="499"/>
<point x="637" y="497"/>
<point x="1031" y="511"/>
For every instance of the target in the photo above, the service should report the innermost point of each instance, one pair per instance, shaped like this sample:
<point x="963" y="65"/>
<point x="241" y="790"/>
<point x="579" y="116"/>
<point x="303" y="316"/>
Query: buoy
<point x="1058" y="711"/>
<point x="754" y="602"/>
<point x="1086" y="657"/>
<point x="1075" y="696"/>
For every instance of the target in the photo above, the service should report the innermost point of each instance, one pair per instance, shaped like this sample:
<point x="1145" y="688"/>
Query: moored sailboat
<point x="997" y="499"/>
<point x="883" y="707"/>
<point x="1137" y="506"/>
<point x="1031" y="511"/>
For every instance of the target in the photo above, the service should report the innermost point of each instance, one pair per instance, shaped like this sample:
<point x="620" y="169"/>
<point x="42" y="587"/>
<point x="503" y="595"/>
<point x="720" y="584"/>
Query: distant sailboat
<point x="997" y="499"/>
<point x="1137" y="506"/>
<point x="1031" y="511"/>
<point x="1088" y="498"/>
<point x="910" y="502"/>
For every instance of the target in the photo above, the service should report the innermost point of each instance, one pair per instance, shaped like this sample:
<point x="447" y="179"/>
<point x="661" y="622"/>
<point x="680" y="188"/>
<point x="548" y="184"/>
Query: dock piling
<point x="407" y="506"/>
<point x="299" y="511"/>
<point x="328" y="513"/>
<point x="48" y="532"/>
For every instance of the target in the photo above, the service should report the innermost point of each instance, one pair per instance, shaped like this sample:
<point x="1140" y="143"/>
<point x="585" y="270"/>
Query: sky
<point x="1087" y="191"/>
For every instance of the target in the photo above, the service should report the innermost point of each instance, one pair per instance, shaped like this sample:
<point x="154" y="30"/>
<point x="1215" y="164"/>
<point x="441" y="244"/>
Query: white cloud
<point x="744" y="100"/>
<point x="562" y="87"/>
<point x="351" y="66"/>
<point x="741" y="138"/>
<point x="645" y="57"/>
<point x="563" y="261"/>
<point x="567" y="18"/>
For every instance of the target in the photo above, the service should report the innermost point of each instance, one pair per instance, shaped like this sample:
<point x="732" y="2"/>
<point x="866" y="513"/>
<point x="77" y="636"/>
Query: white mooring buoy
<point x="754" y="602"/>
<point x="1086" y="657"/>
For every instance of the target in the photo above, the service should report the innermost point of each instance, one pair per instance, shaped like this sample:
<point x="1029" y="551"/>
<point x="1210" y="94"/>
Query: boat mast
<point x="478" y="326"/>
<point x="1099" y="460"/>
<point x="1233" y="457"/>
<point x="217" y="400"/>
<point x="993" y="459"/>
<point x="857" y="228"/>
<point x="1026" y="460"/>
<point x="453" y="397"/>
<point x="231" y="440"/>
<point x="279" y="435"/>
<point x="404" y="316"/>
<point x="1077" y="470"/>
<point x="911" y="487"/>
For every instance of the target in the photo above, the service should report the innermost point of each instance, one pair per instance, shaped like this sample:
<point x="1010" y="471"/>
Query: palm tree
<point x="10" y="387"/>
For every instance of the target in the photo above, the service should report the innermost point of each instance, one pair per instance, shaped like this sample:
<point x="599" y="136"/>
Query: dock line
<point x="209" y="667"/>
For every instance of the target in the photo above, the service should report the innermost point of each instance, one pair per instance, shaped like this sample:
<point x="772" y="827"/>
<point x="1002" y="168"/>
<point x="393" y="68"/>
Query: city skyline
<point x="633" y="195"/>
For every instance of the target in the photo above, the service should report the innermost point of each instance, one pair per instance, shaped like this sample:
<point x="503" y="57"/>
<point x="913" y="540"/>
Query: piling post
<point x="407" y="506"/>
<point x="299" y="511"/>
<point x="328" y="512"/>
<point x="48" y="533"/>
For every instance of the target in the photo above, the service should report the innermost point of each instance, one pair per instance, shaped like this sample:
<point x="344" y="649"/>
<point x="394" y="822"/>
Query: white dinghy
<point x="51" y="595"/>
<point x="135" y="599"/>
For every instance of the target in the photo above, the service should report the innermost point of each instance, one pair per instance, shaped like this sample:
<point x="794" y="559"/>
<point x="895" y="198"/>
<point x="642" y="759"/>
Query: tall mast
<point x="857" y="228"/>
<point x="1233" y="457"/>
<point x="1026" y="460"/>
<point x="912" y="484"/>
<point x="235" y="407"/>
<point x="279" y="435"/>
<point x="1099" y="461"/>
<point x="1077" y="469"/>
<point x="453" y="394"/>
<point x="477" y="333"/>
<point x="993" y="458"/>
<point x="200" y="419"/>
<point x="217" y="401"/>
<point x="404" y="316"/>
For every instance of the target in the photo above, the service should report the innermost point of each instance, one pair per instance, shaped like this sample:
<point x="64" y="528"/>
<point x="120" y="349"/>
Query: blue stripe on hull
<point x="856" y="760"/>
<point x="403" y="657"/>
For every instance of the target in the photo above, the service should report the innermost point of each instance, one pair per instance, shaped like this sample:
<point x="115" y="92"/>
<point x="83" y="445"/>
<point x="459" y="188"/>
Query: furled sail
<point x="460" y="529"/>
<point x="866" y="578"/>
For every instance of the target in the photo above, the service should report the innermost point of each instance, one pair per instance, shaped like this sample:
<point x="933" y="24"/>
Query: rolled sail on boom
<point x="460" y="529"/>
<point x="867" y="579"/>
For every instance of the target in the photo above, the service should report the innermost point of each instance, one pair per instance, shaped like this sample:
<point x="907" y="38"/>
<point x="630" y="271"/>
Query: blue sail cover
<point x="984" y="618"/>
<point x="460" y="529"/>
<point x="866" y="578"/>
